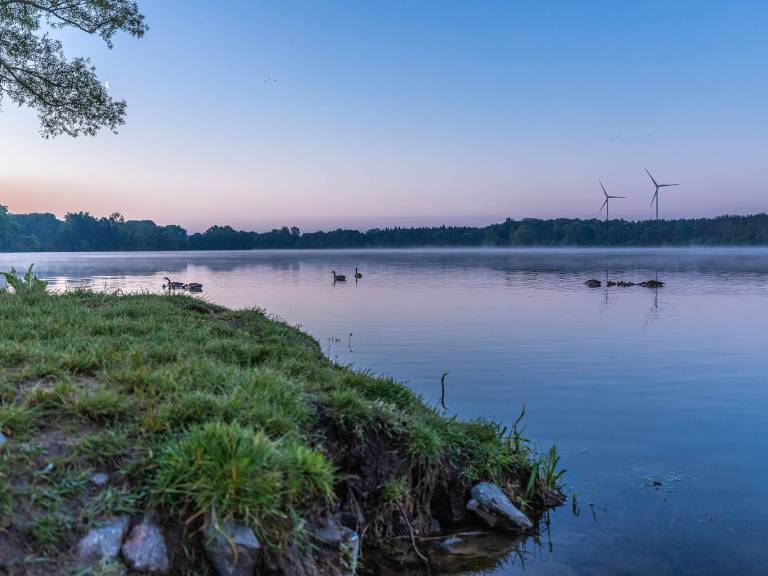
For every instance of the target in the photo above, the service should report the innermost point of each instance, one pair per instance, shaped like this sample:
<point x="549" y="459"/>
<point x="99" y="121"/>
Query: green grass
<point x="16" y="417"/>
<point x="50" y="531"/>
<point x="197" y="410"/>
<point x="230" y="469"/>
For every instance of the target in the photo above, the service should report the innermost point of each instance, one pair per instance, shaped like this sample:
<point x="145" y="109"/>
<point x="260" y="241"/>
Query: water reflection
<point x="636" y="385"/>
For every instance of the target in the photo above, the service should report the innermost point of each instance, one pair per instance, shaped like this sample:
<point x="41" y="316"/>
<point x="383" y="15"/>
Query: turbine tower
<point x="656" y="193"/>
<point x="605" y="203"/>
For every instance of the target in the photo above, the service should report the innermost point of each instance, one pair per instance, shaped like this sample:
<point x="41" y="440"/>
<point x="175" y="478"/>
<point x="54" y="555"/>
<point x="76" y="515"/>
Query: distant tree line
<point x="80" y="231"/>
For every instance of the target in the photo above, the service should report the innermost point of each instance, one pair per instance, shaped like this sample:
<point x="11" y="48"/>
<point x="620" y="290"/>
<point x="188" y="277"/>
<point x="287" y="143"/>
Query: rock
<point x="328" y="531"/>
<point x="103" y="543"/>
<point x="294" y="561"/>
<point x="99" y="479"/>
<point x="350" y="549"/>
<point x="336" y="535"/>
<point x="592" y="283"/>
<point x="145" y="550"/>
<point x="232" y="548"/>
<point x="493" y="507"/>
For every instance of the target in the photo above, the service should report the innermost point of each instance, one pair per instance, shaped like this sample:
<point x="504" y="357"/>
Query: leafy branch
<point x="67" y="94"/>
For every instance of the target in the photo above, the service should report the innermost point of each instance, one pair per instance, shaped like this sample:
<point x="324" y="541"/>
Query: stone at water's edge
<point x="345" y="541"/>
<point x="232" y="549"/>
<point x="328" y="531"/>
<point x="103" y="543"/>
<point x="145" y="550"/>
<point x="493" y="507"/>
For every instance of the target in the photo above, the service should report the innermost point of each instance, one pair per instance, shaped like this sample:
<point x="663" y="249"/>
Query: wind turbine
<point x="656" y="194"/>
<point x="605" y="203"/>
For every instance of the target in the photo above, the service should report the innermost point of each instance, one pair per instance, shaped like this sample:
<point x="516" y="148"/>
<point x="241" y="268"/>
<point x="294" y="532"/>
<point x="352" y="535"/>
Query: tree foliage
<point x="34" y="72"/>
<point x="80" y="231"/>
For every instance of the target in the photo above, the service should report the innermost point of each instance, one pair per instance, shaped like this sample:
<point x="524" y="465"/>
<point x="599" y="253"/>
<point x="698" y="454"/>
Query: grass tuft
<point x="229" y="469"/>
<point x="17" y="417"/>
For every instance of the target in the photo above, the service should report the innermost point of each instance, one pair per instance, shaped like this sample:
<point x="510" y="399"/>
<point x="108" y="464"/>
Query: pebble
<point x="232" y="548"/>
<point x="145" y="550"/>
<point x="103" y="543"/>
<point x="99" y="479"/>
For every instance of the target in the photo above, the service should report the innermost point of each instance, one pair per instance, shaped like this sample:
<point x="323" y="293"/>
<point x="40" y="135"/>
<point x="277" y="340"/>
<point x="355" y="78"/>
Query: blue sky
<point x="408" y="113"/>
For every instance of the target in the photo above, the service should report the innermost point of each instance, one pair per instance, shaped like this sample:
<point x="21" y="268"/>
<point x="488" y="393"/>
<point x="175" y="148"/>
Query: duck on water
<point x="192" y="286"/>
<point x="343" y="278"/>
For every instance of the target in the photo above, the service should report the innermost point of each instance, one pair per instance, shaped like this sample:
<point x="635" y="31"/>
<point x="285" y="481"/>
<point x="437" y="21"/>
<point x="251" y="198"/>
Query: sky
<point x="412" y="113"/>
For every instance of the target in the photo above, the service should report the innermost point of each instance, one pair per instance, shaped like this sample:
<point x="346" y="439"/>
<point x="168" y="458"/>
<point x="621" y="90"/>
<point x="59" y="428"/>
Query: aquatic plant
<point x="27" y="284"/>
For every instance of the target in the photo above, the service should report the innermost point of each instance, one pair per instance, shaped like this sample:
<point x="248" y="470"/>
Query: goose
<point x="173" y="285"/>
<point x="338" y="277"/>
<point x="357" y="274"/>
<point x="193" y="287"/>
<point x="592" y="283"/>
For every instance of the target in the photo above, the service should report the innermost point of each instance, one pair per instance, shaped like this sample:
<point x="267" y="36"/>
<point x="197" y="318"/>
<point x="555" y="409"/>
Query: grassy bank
<point x="194" y="410"/>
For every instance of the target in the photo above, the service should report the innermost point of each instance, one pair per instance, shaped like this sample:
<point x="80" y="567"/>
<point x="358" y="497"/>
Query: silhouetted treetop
<point x="66" y="94"/>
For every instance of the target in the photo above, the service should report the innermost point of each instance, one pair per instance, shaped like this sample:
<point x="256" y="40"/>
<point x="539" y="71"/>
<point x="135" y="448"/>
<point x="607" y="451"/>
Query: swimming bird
<point x="338" y="277"/>
<point x="193" y="287"/>
<point x="358" y="274"/>
<point x="173" y="285"/>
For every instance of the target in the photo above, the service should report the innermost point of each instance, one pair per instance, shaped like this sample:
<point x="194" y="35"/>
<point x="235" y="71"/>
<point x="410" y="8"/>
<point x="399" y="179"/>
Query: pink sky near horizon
<point x="197" y="185"/>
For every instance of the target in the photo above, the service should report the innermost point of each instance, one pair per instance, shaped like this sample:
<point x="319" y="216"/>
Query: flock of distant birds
<point x="170" y="285"/>
<point x="654" y="198"/>
<point x="592" y="283"/>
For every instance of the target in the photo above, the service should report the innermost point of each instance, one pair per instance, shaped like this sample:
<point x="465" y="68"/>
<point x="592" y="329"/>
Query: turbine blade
<point x="616" y="196"/>
<point x="652" y="178"/>
<point x="663" y="185"/>
<point x="603" y="187"/>
<point x="654" y="197"/>
<point x="605" y="203"/>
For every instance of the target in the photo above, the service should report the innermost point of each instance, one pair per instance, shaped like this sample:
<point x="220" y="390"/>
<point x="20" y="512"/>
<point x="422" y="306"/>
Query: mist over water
<point x="656" y="398"/>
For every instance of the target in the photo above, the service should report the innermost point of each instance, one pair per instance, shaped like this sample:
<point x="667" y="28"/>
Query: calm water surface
<point x="634" y="385"/>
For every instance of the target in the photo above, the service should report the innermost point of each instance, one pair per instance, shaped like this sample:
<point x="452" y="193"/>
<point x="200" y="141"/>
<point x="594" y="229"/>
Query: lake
<point x="656" y="398"/>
